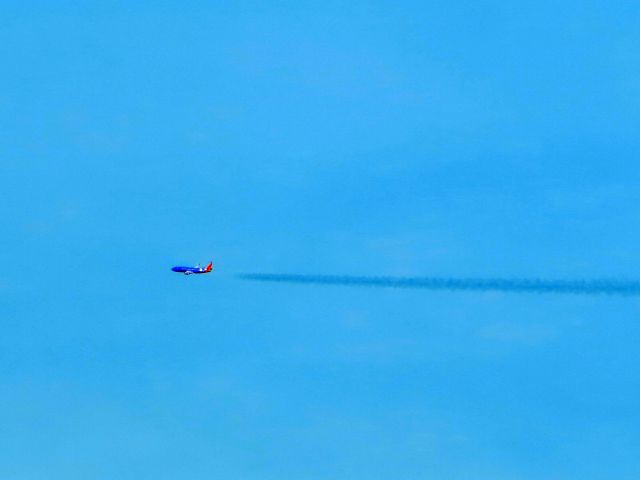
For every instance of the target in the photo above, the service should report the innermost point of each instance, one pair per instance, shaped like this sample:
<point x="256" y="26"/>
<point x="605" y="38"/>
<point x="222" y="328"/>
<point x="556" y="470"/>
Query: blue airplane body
<point x="193" y="270"/>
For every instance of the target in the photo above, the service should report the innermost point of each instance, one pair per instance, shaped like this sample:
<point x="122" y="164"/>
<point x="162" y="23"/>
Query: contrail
<point x="577" y="287"/>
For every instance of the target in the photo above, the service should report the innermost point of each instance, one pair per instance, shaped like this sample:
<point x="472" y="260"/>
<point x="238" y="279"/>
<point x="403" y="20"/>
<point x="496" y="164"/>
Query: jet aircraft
<point x="194" y="270"/>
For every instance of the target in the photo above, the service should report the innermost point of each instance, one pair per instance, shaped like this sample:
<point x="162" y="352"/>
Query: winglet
<point x="209" y="267"/>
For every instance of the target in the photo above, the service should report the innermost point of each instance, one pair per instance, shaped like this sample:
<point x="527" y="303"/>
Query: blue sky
<point x="488" y="139"/>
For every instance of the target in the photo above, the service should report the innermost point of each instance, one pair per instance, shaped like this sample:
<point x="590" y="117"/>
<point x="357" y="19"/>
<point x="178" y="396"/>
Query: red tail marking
<point x="209" y="267"/>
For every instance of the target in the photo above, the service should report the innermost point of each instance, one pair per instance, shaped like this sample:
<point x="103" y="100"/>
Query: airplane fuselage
<point x="193" y="270"/>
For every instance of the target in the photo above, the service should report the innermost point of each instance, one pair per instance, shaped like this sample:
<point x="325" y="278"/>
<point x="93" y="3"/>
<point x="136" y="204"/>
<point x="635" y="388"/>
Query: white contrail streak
<point x="579" y="287"/>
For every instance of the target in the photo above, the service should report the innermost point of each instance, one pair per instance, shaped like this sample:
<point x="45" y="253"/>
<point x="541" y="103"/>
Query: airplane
<point x="194" y="270"/>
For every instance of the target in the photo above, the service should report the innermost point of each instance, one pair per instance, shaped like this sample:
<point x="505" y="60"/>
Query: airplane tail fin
<point x="209" y="267"/>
